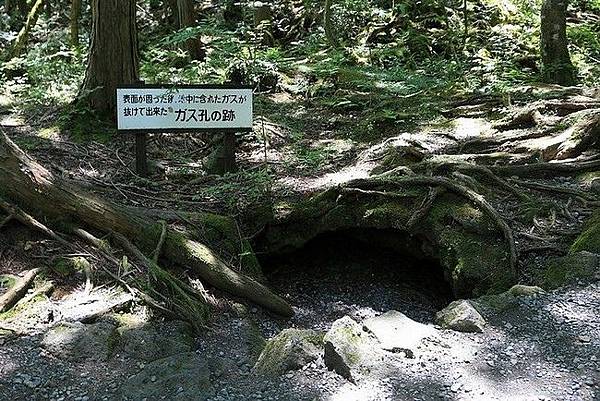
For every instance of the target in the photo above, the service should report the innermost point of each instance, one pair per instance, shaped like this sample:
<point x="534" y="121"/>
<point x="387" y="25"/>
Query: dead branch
<point x="45" y="289"/>
<point x="24" y="218"/>
<point x="161" y="241"/>
<point x="104" y="248"/>
<point x="16" y="292"/>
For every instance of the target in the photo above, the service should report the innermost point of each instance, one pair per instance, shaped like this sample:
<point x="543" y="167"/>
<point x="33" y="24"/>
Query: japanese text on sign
<point x="184" y="108"/>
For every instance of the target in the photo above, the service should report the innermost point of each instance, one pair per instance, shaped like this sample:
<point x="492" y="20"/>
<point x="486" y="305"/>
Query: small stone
<point x="153" y="379"/>
<point x="584" y="339"/>
<point x="460" y="316"/>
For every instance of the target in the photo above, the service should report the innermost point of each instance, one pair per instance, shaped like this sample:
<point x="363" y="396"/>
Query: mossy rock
<point x="461" y="315"/>
<point x="289" y="350"/>
<point x="7" y="281"/>
<point x="66" y="266"/>
<point x="506" y="300"/>
<point x="152" y="341"/>
<point x="470" y="247"/>
<point x="578" y="266"/>
<point x="589" y="239"/>
<point x="81" y="342"/>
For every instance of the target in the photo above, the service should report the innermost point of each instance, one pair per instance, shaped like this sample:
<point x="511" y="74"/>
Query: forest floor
<point x="542" y="347"/>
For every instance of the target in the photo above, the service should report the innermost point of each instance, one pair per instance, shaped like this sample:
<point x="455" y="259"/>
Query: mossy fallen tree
<point x="50" y="198"/>
<point x="445" y="220"/>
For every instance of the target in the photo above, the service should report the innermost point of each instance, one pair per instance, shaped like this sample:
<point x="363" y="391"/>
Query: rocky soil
<point x="533" y="346"/>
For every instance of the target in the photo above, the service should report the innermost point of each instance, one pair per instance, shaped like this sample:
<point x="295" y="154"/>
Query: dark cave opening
<point x="359" y="271"/>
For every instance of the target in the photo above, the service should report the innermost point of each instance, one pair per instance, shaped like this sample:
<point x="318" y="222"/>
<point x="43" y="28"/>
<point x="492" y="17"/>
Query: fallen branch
<point x="16" y="292"/>
<point x="161" y="241"/>
<point x="45" y="289"/>
<point x="26" y="182"/>
<point x="6" y="220"/>
<point x="29" y="221"/>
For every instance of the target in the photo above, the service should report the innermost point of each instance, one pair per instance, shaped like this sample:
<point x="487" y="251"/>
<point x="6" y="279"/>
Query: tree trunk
<point x="113" y="57"/>
<point x="328" y="25"/>
<point x="9" y="7"/>
<point x="28" y="184"/>
<point x="23" y="35"/>
<point x="556" y="62"/>
<point x="22" y="4"/>
<point x="75" y="14"/>
<point x="186" y="16"/>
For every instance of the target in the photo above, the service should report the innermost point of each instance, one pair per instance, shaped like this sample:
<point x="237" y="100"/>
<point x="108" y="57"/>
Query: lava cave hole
<point x="361" y="268"/>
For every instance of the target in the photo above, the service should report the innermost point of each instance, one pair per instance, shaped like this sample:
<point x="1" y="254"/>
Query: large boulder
<point x="78" y="341"/>
<point x="289" y="350"/>
<point x="581" y="266"/>
<point x="397" y="332"/>
<point x="462" y="316"/>
<point x="183" y="376"/>
<point x="350" y="351"/>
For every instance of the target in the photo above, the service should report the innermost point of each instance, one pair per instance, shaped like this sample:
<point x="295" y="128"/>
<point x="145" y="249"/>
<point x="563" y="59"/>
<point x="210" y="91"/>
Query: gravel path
<point x="547" y="347"/>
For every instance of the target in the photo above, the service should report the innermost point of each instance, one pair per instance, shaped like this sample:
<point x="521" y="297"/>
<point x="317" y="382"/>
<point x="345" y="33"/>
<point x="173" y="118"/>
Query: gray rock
<point x="156" y="341"/>
<point x="289" y="350"/>
<point x="350" y="351"/>
<point x="520" y="290"/>
<point x="164" y="379"/>
<point x="460" y="316"/>
<point x="397" y="332"/>
<point x="595" y="185"/>
<point x="78" y="341"/>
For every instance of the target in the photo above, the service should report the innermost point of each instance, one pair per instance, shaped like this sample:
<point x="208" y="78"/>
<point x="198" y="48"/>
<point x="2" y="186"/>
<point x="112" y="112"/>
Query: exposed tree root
<point x="545" y="169"/>
<point x="424" y="208"/>
<point x="583" y="197"/>
<point x="449" y="185"/>
<point x="484" y="171"/>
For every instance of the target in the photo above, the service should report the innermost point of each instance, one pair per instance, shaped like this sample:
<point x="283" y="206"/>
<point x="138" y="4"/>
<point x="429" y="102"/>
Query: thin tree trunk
<point x="9" y="6"/>
<point x="23" y="35"/>
<point x="75" y="14"/>
<point x="328" y="25"/>
<point x="186" y="16"/>
<point x="113" y="57"/>
<point x="556" y="62"/>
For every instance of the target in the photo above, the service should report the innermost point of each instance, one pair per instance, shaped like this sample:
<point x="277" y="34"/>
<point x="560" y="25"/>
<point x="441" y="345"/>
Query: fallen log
<point x="16" y="292"/>
<point x="33" y="187"/>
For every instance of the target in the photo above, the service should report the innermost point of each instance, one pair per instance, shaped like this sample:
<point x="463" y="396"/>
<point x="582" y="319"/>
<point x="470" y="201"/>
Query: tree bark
<point x="328" y="25"/>
<point x="556" y="62"/>
<point x="74" y="23"/>
<point x="23" y="35"/>
<point x="27" y="183"/>
<point x="186" y="16"/>
<point x="113" y="57"/>
<point x="9" y="6"/>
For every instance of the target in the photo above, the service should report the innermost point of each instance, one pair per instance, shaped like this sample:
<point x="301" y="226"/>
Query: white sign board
<point x="185" y="108"/>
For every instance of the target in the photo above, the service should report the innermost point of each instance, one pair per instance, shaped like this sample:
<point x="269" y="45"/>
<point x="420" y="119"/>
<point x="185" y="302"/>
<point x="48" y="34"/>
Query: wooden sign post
<point x="143" y="109"/>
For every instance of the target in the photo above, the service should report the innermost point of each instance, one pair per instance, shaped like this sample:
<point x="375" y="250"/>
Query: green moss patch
<point x="589" y="240"/>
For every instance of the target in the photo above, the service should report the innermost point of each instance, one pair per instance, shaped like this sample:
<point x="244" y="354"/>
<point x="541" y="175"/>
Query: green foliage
<point x="589" y="240"/>
<point x="241" y="190"/>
